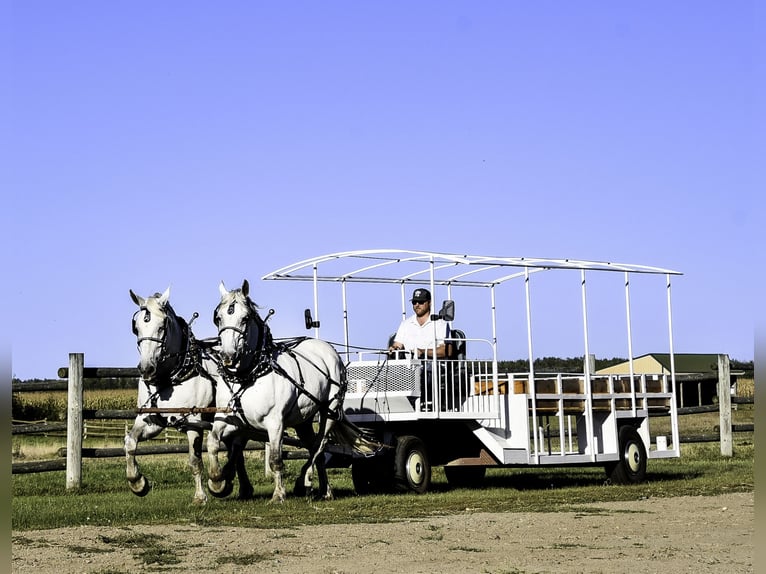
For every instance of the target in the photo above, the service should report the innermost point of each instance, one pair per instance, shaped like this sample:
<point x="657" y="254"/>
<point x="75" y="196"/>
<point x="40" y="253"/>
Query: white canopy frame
<point x="410" y="268"/>
<point x="426" y="268"/>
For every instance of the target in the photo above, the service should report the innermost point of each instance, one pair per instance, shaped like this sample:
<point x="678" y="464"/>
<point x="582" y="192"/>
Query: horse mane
<point x="167" y="310"/>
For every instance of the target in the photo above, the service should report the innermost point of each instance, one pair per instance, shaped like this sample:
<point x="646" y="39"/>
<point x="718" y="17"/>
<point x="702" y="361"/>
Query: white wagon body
<point x="465" y="414"/>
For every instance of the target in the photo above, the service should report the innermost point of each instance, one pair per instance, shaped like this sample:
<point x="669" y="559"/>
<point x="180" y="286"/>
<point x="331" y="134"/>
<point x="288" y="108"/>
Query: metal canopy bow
<point x="415" y="267"/>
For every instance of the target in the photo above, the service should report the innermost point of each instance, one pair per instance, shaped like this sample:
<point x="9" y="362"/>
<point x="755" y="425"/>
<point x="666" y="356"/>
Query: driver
<point x="416" y="333"/>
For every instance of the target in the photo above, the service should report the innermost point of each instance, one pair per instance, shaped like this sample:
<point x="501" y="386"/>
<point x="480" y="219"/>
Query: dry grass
<point x="746" y="388"/>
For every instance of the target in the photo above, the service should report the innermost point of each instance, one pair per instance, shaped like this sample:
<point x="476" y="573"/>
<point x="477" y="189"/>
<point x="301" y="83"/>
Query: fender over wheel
<point x="631" y="467"/>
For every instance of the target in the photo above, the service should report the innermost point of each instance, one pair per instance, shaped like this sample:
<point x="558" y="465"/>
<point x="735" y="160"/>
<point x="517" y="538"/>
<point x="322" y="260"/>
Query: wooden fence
<point x="70" y="457"/>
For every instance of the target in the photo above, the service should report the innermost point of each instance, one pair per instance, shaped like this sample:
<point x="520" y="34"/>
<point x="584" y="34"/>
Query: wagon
<point x="461" y="412"/>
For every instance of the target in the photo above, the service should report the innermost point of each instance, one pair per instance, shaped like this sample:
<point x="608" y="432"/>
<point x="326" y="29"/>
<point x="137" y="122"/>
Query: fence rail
<point x="76" y="427"/>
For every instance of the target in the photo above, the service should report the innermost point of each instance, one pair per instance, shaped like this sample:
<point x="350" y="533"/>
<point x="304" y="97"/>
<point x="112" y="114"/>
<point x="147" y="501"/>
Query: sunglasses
<point x="419" y="303"/>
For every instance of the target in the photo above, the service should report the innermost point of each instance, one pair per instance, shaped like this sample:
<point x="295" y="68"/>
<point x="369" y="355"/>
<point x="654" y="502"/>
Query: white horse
<point x="178" y="377"/>
<point x="273" y="386"/>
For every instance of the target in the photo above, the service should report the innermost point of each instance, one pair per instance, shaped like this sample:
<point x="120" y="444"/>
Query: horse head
<point x="241" y="329"/>
<point x="160" y="334"/>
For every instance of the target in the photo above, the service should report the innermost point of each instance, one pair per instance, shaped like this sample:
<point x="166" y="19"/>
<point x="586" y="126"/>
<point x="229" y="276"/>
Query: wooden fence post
<point x="74" y="422"/>
<point x="724" y="405"/>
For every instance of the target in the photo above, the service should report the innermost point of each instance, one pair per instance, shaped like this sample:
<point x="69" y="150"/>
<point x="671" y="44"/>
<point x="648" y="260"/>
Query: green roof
<point x="688" y="362"/>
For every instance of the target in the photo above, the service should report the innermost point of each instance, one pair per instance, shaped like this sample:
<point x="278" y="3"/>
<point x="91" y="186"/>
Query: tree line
<point x="541" y="364"/>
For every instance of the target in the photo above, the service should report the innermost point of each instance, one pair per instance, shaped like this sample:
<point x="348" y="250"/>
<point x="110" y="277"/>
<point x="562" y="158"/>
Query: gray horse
<point x="272" y="386"/>
<point x="178" y="382"/>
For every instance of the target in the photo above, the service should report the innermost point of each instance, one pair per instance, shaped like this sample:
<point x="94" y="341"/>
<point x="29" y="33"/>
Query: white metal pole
<point x="316" y="302"/>
<point x="345" y="320"/>
<point x="630" y="343"/>
<point x="404" y="299"/>
<point x="673" y="404"/>
<point x="588" y="389"/>
<point x="496" y="401"/>
<point x="435" y="374"/>
<point x="531" y="381"/>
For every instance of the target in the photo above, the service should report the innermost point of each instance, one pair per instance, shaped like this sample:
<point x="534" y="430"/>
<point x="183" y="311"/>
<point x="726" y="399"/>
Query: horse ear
<point x="222" y="289"/>
<point x="245" y="288"/>
<point x="164" y="297"/>
<point x="138" y="300"/>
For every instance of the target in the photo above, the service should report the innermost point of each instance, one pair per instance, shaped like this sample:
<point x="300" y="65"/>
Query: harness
<point x="188" y="365"/>
<point x="264" y="358"/>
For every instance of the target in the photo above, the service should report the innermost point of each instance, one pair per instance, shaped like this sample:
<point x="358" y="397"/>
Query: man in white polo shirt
<point x="417" y="332"/>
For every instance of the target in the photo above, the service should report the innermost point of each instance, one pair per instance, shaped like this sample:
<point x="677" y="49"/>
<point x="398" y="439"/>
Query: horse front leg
<point x="218" y="483"/>
<point x="142" y="430"/>
<point x="276" y="464"/>
<point x="195" y="462"/>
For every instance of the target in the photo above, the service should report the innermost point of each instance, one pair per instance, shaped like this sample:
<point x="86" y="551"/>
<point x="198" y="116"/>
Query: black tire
<point x="465" y="476"/>
<point x="362" y="476"/>
<point x="631" y="468"/>
<point x="412" y="469"/>
<point x="372" y="475"/>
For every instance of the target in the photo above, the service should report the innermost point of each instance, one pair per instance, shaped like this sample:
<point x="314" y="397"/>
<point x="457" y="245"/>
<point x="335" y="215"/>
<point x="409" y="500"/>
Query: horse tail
<point x="346" y="433"/>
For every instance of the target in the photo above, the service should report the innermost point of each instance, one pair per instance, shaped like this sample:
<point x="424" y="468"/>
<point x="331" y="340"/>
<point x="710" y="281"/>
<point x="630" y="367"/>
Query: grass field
<point x="41" y="500"/>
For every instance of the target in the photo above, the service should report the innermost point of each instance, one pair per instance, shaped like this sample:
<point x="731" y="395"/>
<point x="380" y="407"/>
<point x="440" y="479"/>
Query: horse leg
<point x="195" y="462"/>
<point x="307" y="436"/>
<point x="142" y="429"/>
<point x="325" y="426"/>
<point x="218" y="483"/>
<point x="246" y="489"/>
<point x="276" y="463"/>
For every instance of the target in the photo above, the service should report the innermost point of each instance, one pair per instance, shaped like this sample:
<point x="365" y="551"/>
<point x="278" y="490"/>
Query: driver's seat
<point x="457" y="347"/>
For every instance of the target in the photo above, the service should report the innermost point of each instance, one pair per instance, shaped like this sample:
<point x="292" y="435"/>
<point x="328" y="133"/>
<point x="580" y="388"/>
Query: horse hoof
<point x="140" y="487"/>
<point x="246" y="493"/>
<point x="220" y="489"/>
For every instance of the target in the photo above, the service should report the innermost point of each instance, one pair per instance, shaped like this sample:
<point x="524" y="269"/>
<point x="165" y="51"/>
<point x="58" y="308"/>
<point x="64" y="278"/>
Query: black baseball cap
<point x="420" y="295"/>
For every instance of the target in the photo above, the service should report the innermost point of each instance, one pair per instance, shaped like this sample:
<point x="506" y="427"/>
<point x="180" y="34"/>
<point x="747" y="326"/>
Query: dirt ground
<point x="667" y="535"/>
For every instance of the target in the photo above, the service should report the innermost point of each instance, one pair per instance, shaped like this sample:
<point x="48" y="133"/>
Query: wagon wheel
<point x="631" y="468"/>
<point x="465" y="476"/>
<point x="372" y="475"/>
<point x="412" y="469"/>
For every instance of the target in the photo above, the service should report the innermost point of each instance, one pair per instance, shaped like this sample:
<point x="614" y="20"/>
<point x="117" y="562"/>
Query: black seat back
<point x="458" y="344"/>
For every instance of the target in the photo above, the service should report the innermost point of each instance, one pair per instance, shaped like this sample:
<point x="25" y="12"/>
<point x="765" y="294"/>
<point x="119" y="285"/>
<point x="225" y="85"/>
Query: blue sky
<point x="185" y="143"/>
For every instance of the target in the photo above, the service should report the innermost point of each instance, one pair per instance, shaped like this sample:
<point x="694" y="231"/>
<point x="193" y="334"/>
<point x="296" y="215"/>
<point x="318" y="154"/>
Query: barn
<point x="696" y="374"/>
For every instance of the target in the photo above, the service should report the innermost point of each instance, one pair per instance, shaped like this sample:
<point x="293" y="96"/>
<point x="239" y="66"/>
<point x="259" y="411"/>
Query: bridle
<point x="250" y="357"/>
<point x="147" y="318"/>
<point x="181" y="357"/>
